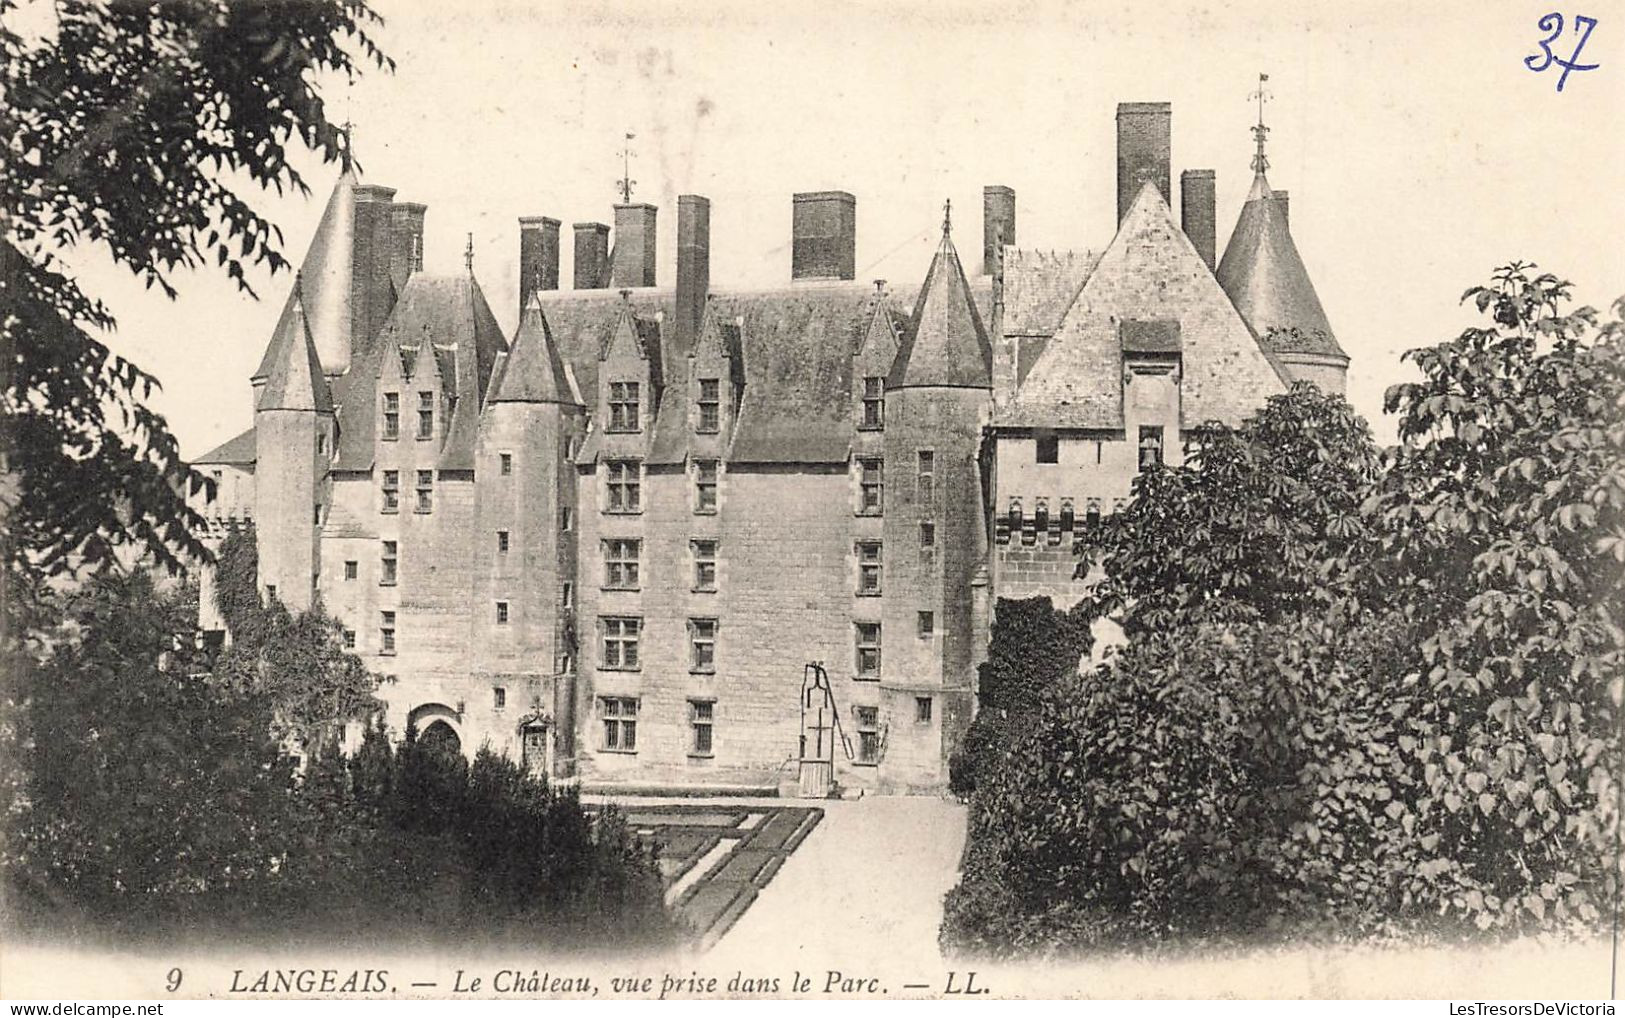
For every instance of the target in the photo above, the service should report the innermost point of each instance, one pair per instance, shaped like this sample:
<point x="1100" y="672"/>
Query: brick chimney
<point x="406" y="238"/>
<point x="538" y="256"/>
<point x="1143" y="143"/>
<point x="592" y="255"/>
<point x="1196" y="211"/>
<point x="824" y="236"/>
<point x="998" y="224"/>
<point x="634" y="253"/>
<point x="371" y="252"/>
<point x="693" y="268"/>
<point x="1281" y="202"/>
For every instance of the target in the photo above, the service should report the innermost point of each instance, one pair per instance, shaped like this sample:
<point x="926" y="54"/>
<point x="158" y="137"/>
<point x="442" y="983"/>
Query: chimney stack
<point x="1280" y="199"/>
<point x="592" y="255"/>
<point x="693" y="267"/>
<point x="372" y="250"/>
<point x="824" y="236"/>
<point x="998" y="224"/>
<point x="634" y="253"/>
<point x="1196" y="216"/>
<point x="1143" y="143"/>
<point x="538" y="256"/>
<point x="406" y="238"/>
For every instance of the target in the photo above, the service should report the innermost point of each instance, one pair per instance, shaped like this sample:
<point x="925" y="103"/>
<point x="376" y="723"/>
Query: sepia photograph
<point x="533" y="499"/>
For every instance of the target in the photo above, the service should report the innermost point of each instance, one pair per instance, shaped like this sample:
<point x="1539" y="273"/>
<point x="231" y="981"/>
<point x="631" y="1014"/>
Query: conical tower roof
<point x="533" y="370"/>
<point x="295" y="381"/>
<point x="945" y="343"/>
<point x="1265" y="278"/>
<point x="326" y="271"/>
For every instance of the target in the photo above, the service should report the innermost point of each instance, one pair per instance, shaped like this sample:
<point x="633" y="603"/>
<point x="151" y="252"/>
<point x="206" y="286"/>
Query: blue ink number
<point x="1553" y="23"/>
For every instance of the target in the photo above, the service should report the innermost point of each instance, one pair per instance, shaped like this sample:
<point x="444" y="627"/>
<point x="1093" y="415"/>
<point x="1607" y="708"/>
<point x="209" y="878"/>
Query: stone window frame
<point x="702" y="645"/>
<point x="348" y="638"/>
<point x="504" y="613"/>
<point x="352" y="569"/>
<point x="928" y="535"/>
<point x="424" y="503"/>
<point x="925" y="478"/>
<point x="499" y="697"/>
<point x="707" y="490"/>
<point x="390" y="484"/>
<point x="702" y="723"/>
<point x="871" y="486"/>
<point x="567" y="594"/>
<point x="391" y="416"/>
<point x="622" y="557"/>
<point x="623" y="633"/>
<point x="925" y="623"/>
<point x="701" y="560"/>
<point x="425" y="429"/>
<point x="386" y="633"/>
<point x="504" y="541"/>
<point x="866" y="719"/>
<point x="389" y="563"/>
<point x="623" y="486"/>
<point x="1153" y="438"/>
<point x="871" y="572"/>
<point x="625" y="402"/>
<point x="505" y="464"/>
<point x="872" y="415"/>
<point x="708" y="403"/>
<point x="867" y="640"/>
<point x="923" y="710"/>
<point x="618" y="724"/>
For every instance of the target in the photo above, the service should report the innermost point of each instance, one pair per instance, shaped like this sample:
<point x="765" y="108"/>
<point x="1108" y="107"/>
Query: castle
<point x="609" y="544"/>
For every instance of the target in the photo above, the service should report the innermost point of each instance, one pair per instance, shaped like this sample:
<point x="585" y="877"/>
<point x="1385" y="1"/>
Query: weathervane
<point x="468" y="253"/>
<point x="626" y="183"/>
<point x="1260" y="161"/>
<point x="346" y="130"/>
<point x="947" y="216"/>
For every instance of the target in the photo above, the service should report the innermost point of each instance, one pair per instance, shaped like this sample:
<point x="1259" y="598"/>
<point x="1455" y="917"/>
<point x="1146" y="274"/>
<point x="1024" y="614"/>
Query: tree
<point x="126" y="124"/>
<point x="1253" y="526"/>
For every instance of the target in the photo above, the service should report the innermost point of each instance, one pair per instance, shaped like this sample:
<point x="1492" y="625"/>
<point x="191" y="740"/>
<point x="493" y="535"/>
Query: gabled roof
<point x="326" y="275"/>
<point x="717" y="344"/>
<point x="447" y="319"/>
<point x="532" y="371"/>
<point x="296" y="381"/>
<point x="1150" y="273"/>
<point x="237" y="452"/>
<point x="1265" y="277"/>
<point x="945" y="343"/>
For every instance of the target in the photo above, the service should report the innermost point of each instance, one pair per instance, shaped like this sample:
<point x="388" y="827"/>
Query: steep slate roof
<point x="581" y="322"/>
<point x="1266" y="279"/>
<point x="1149" y="273"/>
<point x="237" y="452"/>
<point x="450" y="313"/>
<point x="326" y="274"/>
<point x="296" y="381"/>
<point x="797" y="350"/>
<point x="532" y="371"/>
<point x="945" y="343"/>
<point x="1039" y="288"/>
<point x="672" y="436"/>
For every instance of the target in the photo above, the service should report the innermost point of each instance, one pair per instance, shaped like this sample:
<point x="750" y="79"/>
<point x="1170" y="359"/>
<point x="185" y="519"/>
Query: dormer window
<point x="874" y="403"/>
<point x="425" y="415"/>
<point x="1150" y="447"/>
<point x="710" y="403"/>
<point x="392" y="416"/>
<point x="623" y="406"/>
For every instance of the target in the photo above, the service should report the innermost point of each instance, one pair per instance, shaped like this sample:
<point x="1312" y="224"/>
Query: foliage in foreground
<point x="151" y="797"/>
<point x="1358" y="698"/>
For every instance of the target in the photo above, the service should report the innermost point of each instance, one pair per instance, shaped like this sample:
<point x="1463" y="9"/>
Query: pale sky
<point x="1419" y="150"/>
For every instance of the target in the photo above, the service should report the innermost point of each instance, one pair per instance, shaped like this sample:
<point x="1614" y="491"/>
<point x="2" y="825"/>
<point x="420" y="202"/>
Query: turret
<point x="938" y="396"/>
<point x="525" y="566"/>
<point x="1265" y="278"/>
<point x="295" y="435"/>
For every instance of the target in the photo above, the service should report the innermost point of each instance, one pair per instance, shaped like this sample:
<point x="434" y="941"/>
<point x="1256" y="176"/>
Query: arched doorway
<point x="440" y="737"/>
<point x="437" y="727"/>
